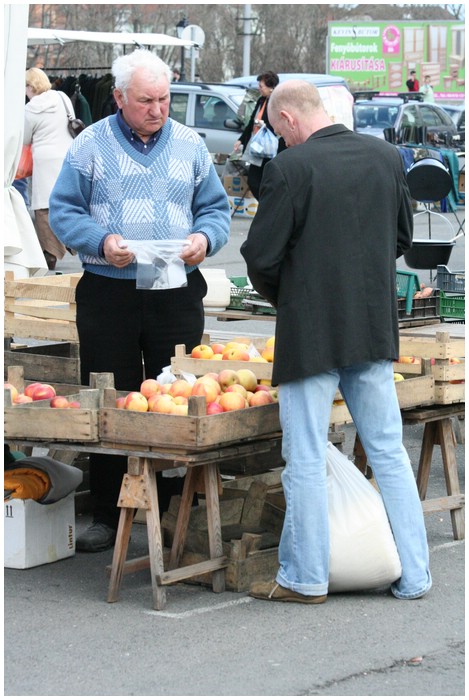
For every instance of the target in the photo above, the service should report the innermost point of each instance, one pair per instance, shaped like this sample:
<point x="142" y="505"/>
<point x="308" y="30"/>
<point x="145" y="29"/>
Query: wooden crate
<point x="182" y="362"/>
<point x="416" y="391"/>
<point x="52" y="363"/>
<point x="449" y="378"/>
<point x="250" y="545"/>
<point x="37" y="421"/>
<point x="41" y="307"/>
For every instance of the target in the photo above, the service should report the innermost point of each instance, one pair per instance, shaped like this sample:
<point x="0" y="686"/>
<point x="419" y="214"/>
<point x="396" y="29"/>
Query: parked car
<point x="406" y="116"/>
<point x="457" y="112"/>
<point x="334" y="91"/>
<point x="217" y="112"/>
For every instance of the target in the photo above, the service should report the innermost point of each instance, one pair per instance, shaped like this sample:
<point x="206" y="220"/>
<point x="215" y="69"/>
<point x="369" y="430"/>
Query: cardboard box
<point x="243" y="207"/>
<point x="237" y="186"/>
<point x="36" y="534"/>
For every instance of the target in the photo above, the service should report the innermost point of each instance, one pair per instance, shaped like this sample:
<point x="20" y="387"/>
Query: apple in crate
<point x="237" y="354"/>
<point x="180" y="387"/>
<point x="247" y="378"/>
<point x="120" y="401"/>
<point x="13" y="391"/>
<point x="74" y="404"/>
<point x="149" y="387"/>
<point x="227" y="377"/>
<point x="232" y="401"/>
<point x="207" y="388"/>
<point x="29" y="390"/>
<point x="22" y="398"/>
<point x="43" y="391"/>
<point x="59" y="402"/>
<point x="135" y="401"/>
<point x="239" y="388"/>
<point x="261" y="398"/>
<point x="163" y="403"/>
<point x="214" y="408"/>
<point x="202" y="352"/>
<point x="398" y="377"/>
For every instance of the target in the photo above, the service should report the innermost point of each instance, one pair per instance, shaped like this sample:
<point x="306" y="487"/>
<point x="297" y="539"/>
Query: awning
<point x="64" y="36"/>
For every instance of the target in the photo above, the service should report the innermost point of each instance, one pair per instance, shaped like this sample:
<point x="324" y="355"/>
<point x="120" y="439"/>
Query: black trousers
<point x="132" y="333"/>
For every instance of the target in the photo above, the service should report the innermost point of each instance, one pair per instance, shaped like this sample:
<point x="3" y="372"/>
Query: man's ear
<point x="119" y="97"/>
<point x="287" y="116"/>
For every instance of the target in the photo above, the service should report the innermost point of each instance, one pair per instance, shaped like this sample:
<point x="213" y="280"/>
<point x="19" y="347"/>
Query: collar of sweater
<point x="146" y="159"/>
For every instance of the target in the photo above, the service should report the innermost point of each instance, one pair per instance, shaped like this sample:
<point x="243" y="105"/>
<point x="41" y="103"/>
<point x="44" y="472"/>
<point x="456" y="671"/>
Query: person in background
<point x="46" y="129"/>
<point x="427" y="90"/>
<point x="136" y="175"/>
<point x="324" y="254"/>
<point x="412" y="83"/>
<point x="176" y="75"/>
<point x="259" y="117"/>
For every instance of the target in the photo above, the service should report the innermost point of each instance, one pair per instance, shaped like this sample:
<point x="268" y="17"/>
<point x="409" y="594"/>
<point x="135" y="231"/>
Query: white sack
<point x="363" y="553"/>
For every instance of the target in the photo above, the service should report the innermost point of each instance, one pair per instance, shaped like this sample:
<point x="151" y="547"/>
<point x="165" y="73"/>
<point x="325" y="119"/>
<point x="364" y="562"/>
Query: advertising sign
<point x="380" y="55"/>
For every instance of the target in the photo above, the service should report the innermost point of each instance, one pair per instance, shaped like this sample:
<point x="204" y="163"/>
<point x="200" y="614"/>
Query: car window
<point x="409" y="116"/>
<point x="211" y="112"/>
<point x="430" y="117"/>
<point x="178" y="107"/>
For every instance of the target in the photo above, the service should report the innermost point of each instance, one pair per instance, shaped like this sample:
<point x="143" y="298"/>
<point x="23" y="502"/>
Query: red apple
<point x="202" y="352"/>
<point x="406" y="359"/>
<point x="163" y="403"/>
<point x="213" y="408"/>
<point x="74" y="404"/>
<point x="135" y="401"/>
<point x="218" y="348"/>
<point x="262" y="387"/>
<point x="239" y="388"/>
<point x="59" y="402"/>
<point x="181" y="400"/>
<point x="261" y="398"/>
<point x="232" y="401"/>
<point x="149" y="387"/>
<point x="120" y="401"/>
<point x="180" y="409"/>
<point x="29" y="390"/>
<point x="207" y="389"/>
<point x="237" y="354"/>
<point x="43" y="391"/>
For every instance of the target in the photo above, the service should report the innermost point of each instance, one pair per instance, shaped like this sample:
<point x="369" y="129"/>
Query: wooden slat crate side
<point x="47" y="369"/>
<point x="449" y="393"/>
<point x="150" y="429"/>
<point x="50" y="288"/>
<point x="416" y="391"/>
<point x="443" y="371"/>
<point x="40" y="309"/>
<point x="40" y="330"/>
<point x="410" y="368"/>
<point x="429" y="347"/>
<point x="186" y="363"/>
<point x="29" y="422"/>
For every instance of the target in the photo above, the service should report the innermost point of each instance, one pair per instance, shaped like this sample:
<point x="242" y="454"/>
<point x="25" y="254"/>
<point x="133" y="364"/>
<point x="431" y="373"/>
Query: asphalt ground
<point x="63" y="638"/>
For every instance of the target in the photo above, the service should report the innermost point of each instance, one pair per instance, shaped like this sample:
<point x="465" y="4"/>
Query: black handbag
<point x="75" y="125"/>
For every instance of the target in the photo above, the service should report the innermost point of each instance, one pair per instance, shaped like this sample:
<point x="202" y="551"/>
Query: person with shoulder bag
<point x="259" y="120"/>
<point x="46" y="131"/>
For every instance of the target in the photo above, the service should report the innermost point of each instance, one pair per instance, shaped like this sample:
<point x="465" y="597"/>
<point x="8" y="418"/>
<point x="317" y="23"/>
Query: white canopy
<point x="22" y="252"/>
<point x="63" y="36"/>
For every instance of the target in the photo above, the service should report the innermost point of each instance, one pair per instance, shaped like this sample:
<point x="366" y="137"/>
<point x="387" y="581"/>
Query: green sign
<point x="380" y="55"/>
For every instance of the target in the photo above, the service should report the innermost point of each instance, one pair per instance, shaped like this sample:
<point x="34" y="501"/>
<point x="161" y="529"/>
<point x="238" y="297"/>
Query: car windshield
<point x="377" y="116"/>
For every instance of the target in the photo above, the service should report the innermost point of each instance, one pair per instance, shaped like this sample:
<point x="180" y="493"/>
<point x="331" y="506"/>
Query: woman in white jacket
<point x="46" y="129"/>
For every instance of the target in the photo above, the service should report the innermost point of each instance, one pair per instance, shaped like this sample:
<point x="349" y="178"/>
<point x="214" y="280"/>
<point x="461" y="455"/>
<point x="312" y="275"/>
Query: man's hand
<point x="195" y="253"/>
<point x="114" y="254"/>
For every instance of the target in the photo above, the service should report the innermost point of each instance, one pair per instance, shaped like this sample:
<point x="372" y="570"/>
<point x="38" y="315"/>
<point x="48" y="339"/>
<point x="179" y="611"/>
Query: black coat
<point x="334" y="214"/>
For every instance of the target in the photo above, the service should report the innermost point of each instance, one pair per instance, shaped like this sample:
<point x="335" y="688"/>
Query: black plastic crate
<point x="450" y="281"/>
<point x="428" y="307"/>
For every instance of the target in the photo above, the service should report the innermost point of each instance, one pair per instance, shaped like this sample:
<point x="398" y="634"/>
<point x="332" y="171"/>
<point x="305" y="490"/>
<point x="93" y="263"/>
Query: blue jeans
<point x="305" y="408"/>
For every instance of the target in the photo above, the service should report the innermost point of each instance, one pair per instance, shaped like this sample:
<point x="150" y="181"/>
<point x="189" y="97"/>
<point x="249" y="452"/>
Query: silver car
<point x="217" y="112"/>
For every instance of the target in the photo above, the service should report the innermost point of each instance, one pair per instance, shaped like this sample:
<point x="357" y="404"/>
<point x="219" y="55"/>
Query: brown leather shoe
<point x="274" y="591"/>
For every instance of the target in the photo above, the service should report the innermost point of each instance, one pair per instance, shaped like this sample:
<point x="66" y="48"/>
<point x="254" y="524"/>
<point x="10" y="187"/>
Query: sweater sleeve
<point x="211" y="211"/>
<point x="69" y="212"/>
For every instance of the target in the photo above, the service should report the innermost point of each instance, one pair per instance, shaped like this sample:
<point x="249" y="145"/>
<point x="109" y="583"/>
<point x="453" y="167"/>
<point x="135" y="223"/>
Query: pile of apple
<point x="240" y="350"/>
<point x="412" y="360"/>
<point x="37" y="391"/>
<point x="229" y="390"/>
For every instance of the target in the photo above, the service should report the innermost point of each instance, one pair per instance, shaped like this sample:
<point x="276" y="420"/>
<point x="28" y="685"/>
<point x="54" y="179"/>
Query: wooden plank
<point x="211" y="565"/>
<point x="49" y="424"/>
<point x="449" y="393"/>
<point x="416" y="391"/>
<point x="41" y="309"/>
<point x="41" y="330"/>
<point x="429" y="347"/>
<point x="45" y="369"/>
<point x="444" y="503"/>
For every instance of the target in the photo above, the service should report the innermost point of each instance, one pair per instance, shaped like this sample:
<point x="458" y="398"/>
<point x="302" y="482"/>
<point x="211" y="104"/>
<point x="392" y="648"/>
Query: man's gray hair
<point x="124" y="68"/>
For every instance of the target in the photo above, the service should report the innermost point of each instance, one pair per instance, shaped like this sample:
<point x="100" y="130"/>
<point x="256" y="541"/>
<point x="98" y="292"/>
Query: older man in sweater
<point x="136" y="175"/>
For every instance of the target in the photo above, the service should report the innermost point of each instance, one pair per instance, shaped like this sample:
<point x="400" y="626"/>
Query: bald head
<point x="296" y="111"/>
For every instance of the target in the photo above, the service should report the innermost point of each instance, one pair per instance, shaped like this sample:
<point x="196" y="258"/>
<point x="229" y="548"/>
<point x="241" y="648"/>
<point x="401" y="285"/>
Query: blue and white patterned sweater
<point x="106" y="186"/>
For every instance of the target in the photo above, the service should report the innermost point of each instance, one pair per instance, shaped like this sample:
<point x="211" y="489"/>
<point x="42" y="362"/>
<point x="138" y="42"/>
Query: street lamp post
<point x="180" y="26"/>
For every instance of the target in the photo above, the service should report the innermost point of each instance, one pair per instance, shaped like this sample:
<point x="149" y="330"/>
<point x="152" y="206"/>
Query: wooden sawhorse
<point x="438" y="431"/>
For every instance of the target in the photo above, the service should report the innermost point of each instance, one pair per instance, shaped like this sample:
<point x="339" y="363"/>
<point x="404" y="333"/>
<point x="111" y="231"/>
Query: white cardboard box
<point x="37" y="534"/>
<point x="243" y="207"/>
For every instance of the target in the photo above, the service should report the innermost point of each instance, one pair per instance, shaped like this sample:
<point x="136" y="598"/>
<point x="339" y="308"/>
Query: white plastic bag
<point x="264" y="144"/>
<point x="158" y="263"/>
<point x="363" y="553"/>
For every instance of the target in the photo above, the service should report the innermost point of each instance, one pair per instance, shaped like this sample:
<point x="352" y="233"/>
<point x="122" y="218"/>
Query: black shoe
<point x="97" y="538"/>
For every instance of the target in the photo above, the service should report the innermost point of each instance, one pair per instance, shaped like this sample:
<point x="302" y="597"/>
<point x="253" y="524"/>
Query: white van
<point x="334" y="91"/>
